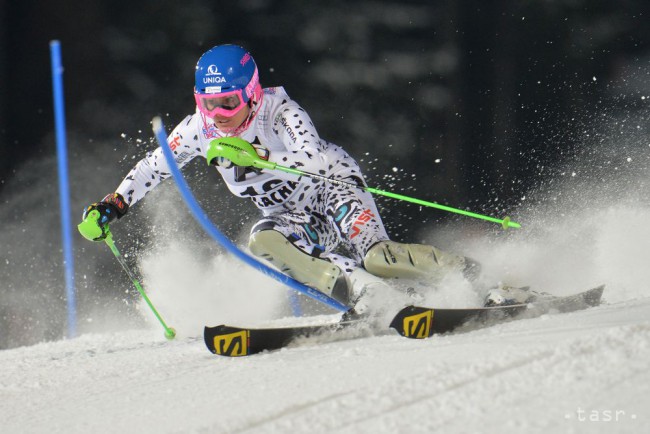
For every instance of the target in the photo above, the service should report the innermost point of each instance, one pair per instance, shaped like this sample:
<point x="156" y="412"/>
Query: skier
<point x="326" y="236"/>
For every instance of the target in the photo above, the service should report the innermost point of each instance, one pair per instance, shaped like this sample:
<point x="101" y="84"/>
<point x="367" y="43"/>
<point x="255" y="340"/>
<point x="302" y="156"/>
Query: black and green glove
<point x="98" y="215"/>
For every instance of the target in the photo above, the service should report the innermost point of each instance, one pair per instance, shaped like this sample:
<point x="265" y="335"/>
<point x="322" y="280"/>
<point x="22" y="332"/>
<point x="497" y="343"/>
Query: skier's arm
<point x="146" y="174"/>
<point x="153" y="168"/>
<point x="304" y="147"/>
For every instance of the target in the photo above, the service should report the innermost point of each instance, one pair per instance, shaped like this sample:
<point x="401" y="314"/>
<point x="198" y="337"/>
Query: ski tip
<point x="593" y="296"/>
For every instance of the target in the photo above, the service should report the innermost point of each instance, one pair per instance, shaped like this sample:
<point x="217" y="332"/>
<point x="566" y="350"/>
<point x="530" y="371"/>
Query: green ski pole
<point x="242" y="153"/>
<point x="91" y="230"/>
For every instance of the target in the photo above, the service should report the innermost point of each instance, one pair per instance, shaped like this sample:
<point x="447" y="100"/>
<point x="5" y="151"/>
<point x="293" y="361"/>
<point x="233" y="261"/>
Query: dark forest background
<point x="463" y="102"/>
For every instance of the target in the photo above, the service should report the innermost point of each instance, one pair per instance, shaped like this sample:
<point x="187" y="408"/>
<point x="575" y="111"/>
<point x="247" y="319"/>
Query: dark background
<point x="463" y="102"/>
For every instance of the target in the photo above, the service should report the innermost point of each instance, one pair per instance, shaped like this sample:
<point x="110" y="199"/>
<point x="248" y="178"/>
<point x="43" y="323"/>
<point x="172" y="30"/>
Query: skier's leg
<point x="361" y="282"/>
<point x="351" y="212"/>
<point x="280" y="242"/>
<point x="354" y="213"/>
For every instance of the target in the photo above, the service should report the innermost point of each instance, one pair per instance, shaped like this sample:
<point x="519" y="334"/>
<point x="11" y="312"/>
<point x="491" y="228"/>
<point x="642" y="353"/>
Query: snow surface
<point x="582" y="372"/>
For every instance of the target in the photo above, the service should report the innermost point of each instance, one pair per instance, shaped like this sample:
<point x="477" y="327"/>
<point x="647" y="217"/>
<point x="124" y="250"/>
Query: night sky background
<point x="468" y="103"/>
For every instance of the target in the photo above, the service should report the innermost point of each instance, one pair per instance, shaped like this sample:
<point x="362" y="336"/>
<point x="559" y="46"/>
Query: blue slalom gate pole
<point x="64" y="188"/>
<point x="294" y="302"/>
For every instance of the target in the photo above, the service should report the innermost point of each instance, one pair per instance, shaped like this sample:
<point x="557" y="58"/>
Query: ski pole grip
<point x="237" y="150"/>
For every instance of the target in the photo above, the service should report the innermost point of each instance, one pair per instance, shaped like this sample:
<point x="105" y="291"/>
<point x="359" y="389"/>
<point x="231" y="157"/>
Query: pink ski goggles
<point x="226" y="104"/>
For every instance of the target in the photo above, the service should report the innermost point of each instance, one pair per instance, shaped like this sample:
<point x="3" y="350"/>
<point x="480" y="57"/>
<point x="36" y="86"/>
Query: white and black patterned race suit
<point x="317" y="217"/>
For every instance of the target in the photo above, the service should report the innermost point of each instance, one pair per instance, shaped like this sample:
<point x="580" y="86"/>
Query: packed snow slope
<point x="582" y="372"/>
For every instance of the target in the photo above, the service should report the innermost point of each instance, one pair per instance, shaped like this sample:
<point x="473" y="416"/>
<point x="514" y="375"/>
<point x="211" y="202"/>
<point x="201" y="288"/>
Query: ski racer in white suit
<point x="305" y="223"/>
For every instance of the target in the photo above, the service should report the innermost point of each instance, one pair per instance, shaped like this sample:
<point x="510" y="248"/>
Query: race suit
<point x="318" y="217"/>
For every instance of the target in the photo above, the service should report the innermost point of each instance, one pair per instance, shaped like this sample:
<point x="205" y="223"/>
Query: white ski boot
<point x="318" y="273"/>
<point x="504" y="295"/>
<point x="393" y="259"/>
<point x="372" y="298"/>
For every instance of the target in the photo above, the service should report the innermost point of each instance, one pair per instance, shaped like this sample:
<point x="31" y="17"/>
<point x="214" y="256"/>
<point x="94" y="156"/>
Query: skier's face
<point x="227" y="123"/>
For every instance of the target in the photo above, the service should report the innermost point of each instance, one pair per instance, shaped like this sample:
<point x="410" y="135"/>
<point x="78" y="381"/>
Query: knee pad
<point x="309" y="270"/>
<point x="393" y="259"/>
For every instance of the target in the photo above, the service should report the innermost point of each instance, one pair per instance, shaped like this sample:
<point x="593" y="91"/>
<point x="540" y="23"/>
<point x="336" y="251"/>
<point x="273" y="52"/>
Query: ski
<point x="413" y="322"/>
<point x="417" y="322"/>
<point x="231" y="341"/>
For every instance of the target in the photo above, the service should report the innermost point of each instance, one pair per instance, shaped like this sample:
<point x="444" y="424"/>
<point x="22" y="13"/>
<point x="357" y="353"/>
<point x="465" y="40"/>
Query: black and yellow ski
<point x="413" y="322"/>
<point x="422" y="322"/>
<point x="230" y="341"/>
